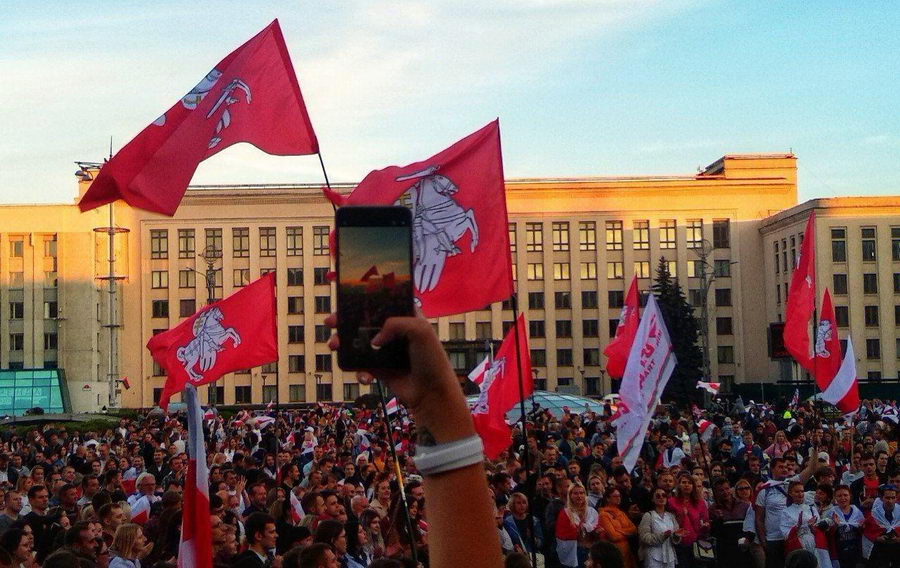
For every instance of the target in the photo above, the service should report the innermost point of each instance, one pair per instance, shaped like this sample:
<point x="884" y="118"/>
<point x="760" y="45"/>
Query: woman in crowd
<point x="517" y="523"/>
<point x="18" y="547"/>
<point x="129" y="547"/>
<point x="692" y="514"/>
<point x="371" y="522"/>
<point x="356" y="556"/>
<point x="617" y="527"/>
<point x="333" y="534"/>
<point x="848" y="521"/>
<point x="658" y="532"/>
<point x="779" y="447"/>
<point x="575" y="528"/>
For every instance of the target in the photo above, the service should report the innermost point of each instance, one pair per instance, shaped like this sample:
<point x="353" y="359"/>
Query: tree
<point x="684" y="331"/>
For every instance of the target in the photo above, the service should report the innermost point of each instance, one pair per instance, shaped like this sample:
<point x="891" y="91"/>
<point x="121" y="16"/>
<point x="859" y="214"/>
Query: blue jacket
<point x="509" y="523"/>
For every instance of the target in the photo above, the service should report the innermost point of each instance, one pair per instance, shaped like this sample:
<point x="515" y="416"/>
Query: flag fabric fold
<point x="650" y="364"/>
<point x="195" y="549"/>
<point x="801" y="300"/>
<point x="828" y="346"/>
<point x="238" y="332"/>
<point x="500" y="390"/>
<point x="843" y="390"/>
<point x="476" y="375"/>
<point x="619" y="348"/>
<point x="461" y="258"/>
<point x="711" y="388"/>
<point x="250" y="96"/>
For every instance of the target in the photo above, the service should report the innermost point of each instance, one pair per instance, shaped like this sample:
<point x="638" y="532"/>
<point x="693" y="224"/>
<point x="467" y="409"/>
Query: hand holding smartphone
<point x="374" y="283"/>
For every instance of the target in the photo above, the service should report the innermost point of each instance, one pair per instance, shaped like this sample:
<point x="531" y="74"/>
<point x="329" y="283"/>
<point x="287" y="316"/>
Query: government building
<point x="73" y="325"/>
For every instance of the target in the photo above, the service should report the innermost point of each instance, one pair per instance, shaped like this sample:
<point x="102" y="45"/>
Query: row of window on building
<point x="615" y="270"/>
<point x="187" y="278"/>
<point x="17" y="246"/>
<point x="240" y="242"/>
<point x="785" y="251"/>
<point x="614" y="235"/>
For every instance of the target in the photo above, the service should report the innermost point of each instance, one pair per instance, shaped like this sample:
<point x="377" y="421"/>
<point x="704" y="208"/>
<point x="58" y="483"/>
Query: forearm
<point x="460" y="520"/>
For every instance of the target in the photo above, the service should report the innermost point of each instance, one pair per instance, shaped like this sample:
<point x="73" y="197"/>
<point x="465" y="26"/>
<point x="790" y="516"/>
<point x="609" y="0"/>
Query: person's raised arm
<point x="462" y="531"/>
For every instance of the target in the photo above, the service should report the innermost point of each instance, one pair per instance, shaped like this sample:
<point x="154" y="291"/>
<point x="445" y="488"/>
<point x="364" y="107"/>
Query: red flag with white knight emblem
<point x="500" y="391"/>
<point x="238" y="332"/>
<point x="251" y="96"/>
<point x="801" y="300"/>
<point x="828" y="345"/>
<point x="618" y="349"/>
<point x="461" y="258"/>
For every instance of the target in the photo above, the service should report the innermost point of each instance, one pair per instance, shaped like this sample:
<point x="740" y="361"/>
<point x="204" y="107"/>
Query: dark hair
<point x="308" y="502"/>
<point x="313" y="555"/>
<point x="86" y="478"/>
<point x="517" y="560"/>
<point x="106" y="510"/>
<point x="110" y="475"/>
<point x="10" y="540"/>
<point x="327" y="531"/>
<point x="256" y="523"/>
<point x="867" y="456"/>
<point x="353" y="545"/>
<point x="34" y="490"/>
<point x="606" y="554"/>
<point x="61" y="559"/>
<point x="827" y="489"/>
<point x="73" y="535"/>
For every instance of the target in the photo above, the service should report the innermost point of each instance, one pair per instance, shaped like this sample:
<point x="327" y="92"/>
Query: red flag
<point x="235" y="333"/>
<point x="195" y="549"/>
<point x="460" y="236"/>
<point x="618" y="349"/>
<point x="828" y="346"/>
<point x="250" y="96"/>
<point x="500" y="391"/>
<point x="369" y="273"/>
<point x="802" y="299"/>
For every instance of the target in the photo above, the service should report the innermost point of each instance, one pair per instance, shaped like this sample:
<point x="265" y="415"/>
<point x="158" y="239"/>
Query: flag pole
<point x="526" y="458"/>
<point x="393" y="451"/>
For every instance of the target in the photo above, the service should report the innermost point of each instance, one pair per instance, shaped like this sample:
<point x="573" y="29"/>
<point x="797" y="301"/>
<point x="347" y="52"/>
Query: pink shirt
<point x="689" y="515"/>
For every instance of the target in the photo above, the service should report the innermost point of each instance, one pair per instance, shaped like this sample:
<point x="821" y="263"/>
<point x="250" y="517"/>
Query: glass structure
<point x="24" y="389"/>
<point x="552" y="401"/>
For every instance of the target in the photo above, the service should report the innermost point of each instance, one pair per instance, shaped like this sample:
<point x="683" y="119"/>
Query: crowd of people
<point x="755" y="487"/>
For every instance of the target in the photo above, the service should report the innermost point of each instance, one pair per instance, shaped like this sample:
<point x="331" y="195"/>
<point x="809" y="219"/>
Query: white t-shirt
<point x="773" y="500"/>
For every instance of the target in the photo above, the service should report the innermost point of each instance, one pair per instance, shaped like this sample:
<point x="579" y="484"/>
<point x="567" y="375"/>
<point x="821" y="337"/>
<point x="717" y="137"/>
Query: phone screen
<point x="374" y="284"/>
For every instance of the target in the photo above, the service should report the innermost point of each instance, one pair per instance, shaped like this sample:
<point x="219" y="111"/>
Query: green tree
<point x="684" y="332"/>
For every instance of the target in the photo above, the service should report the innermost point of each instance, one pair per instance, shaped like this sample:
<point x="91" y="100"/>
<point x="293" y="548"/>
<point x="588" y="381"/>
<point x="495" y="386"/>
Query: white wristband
<point x="431" y="460"/>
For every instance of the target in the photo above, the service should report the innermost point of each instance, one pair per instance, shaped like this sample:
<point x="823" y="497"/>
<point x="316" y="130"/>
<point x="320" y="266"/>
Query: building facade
<point x="576" y="243"/>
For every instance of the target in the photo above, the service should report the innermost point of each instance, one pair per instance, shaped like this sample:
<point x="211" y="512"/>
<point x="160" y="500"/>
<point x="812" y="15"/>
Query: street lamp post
<point x="707" y="277"/>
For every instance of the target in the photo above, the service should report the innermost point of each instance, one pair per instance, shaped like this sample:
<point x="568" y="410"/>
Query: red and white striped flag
<point x="711" y="388"/>
<point x="843" y="391"/>
<point x="392" y="406"/>
<point x="140" y="511"/>
<point x="195" y="550"/>
<point x="296" y="508"/>
<point x="477" y="374"/>
<point x="795" y="400"/>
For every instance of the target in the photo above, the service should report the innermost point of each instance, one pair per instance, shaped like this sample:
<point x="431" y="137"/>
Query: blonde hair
<point x="580" y="514"/>
<point x="123" y="541"/>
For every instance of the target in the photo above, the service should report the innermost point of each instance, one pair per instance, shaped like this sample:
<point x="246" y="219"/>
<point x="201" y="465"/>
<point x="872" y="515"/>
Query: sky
<point x="381" y="247"/>
<point x="581" y="87"/>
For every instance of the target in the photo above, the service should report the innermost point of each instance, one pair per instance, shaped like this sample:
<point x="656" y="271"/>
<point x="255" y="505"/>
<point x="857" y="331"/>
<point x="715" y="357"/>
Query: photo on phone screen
<point x="374" y="283"/>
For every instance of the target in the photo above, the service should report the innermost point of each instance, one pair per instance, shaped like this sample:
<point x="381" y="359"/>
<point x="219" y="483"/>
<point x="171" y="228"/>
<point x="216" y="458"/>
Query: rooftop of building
<point x="865" y="205"/>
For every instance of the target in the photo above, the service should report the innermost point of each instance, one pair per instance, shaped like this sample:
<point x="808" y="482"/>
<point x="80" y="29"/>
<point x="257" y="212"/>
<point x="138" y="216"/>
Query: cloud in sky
<point x="582" y="87"/>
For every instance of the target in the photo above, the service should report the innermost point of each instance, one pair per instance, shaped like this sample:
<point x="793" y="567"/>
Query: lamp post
<point x="707" y="277"/>
<point x="603" y="382"/>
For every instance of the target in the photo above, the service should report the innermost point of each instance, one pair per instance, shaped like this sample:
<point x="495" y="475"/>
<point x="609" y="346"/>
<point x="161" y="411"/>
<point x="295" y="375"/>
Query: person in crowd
<point x="129" y="546"/>
<point x="881" y="530"/>
<point x="522" y="527"/>
<point x="865" y="488"/>
<point x="800" y="525"/>
<point x="12" y="502"/>
<point x="616" y="526"/>
<point x="575" y="528"/>
<point x="691" y="513"/>
<point x="357" y="539"/>
<point x="658" y="532"/>
<point x="848" y="521"/>
<point x="371" y="523"/>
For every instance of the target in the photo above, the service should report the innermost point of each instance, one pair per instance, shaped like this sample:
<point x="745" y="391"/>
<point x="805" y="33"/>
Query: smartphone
<point x="374" y="283"/>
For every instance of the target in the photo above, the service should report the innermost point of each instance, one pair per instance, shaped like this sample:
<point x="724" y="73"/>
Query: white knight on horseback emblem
<point x="438" y="223"/>
<point x="210" y="337"/>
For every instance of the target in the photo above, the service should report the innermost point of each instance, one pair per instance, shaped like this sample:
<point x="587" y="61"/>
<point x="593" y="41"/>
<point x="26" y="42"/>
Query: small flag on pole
<point x="711" y="388"/>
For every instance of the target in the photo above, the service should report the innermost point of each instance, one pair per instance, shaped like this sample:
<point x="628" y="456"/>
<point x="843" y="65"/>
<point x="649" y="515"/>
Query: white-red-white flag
<point x="711" y="388"/>
<point x="843" y="391"/>
<point x="477" y="374"/>
<point x="195" y="550"/>
<point x="140" y="511"/>
<point x="392" y="406"/>
<point x="650" y="364"/>
<point x="296" y="508"/>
